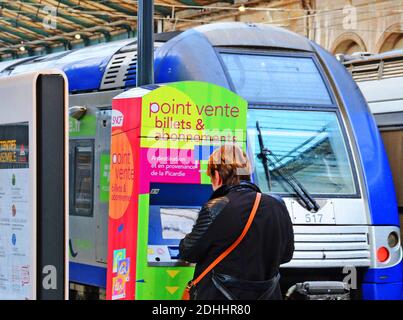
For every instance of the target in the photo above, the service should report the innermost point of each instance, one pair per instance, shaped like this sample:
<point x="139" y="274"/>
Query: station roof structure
<point x="31" y="27"/>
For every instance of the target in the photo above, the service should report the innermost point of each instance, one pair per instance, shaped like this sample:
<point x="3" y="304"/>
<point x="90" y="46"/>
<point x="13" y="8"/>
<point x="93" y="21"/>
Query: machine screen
<point x="177" y="222"/>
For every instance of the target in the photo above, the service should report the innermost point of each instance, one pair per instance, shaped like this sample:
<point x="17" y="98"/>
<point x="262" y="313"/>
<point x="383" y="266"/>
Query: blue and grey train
<point x="311" y="137"/>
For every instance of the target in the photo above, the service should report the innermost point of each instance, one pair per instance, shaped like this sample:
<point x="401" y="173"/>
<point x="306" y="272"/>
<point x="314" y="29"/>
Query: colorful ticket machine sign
<point x="33" y="187"/>
<point x="162" y="137"/>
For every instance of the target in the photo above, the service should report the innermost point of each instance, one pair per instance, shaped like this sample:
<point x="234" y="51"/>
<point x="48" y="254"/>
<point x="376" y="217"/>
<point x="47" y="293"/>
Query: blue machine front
<point x="164" y="236"/>
<point x="172" y="214"/>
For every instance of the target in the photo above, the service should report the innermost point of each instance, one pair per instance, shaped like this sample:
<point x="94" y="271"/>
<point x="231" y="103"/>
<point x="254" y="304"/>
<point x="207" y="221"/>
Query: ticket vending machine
<point x="33" y="186"/>
<point x="162" y="137"/>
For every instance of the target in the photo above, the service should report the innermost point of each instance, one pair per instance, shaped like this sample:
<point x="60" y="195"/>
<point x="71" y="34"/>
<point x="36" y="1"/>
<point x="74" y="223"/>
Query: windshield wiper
<point x="263" y="156"/>
<point x="298" y="188"/>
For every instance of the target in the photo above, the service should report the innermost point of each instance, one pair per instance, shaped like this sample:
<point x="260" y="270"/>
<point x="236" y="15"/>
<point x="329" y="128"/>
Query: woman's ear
<point x="217" y="178"/>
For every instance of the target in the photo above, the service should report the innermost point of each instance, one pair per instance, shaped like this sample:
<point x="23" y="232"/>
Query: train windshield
<point x="276" y="79"/>
<point x="307" y="145"/>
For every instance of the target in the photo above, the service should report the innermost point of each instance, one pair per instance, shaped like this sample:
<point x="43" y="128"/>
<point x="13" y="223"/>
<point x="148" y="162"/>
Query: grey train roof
<point x="241" y="34"/>
<point x="373" y="57"/>
<point x="186" y="56"/>
<point x="195" y="47"/>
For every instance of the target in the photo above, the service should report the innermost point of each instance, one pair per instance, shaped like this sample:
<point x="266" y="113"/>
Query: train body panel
<point x="84" y="67"/>
<point x="380" y="78"/>
<point x="379" y="187"/>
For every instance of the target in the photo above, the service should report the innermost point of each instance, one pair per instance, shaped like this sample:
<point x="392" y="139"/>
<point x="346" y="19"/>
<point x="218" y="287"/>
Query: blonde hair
<point x="231" y="162"/>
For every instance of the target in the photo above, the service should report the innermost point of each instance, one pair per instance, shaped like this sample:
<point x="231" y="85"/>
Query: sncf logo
<point x="117" y="119"/>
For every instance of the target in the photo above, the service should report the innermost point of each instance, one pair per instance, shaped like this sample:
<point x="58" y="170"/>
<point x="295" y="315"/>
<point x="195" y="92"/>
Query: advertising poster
<point x="181" y="124"/>
<point x="15" y="217"/>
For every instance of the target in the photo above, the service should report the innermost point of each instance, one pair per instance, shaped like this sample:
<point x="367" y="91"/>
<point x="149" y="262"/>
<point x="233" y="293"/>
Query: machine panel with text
<point x="161" y="140"/>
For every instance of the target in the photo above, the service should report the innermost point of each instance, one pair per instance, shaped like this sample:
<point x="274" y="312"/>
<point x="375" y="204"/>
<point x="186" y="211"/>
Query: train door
<point x="89" y="187"/>
<point x="81" y="193"/>
<point x="101" y="198"/>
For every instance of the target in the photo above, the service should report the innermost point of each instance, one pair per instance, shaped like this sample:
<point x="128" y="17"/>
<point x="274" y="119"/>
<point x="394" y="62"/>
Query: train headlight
<point x="77" y="112"/>
<point x="386" y="250"/>
<point x="393" y="239"/>
<point x="383" y="254"/>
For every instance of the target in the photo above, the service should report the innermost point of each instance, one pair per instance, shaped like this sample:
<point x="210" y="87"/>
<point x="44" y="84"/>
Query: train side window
<point x="81" y="177"/>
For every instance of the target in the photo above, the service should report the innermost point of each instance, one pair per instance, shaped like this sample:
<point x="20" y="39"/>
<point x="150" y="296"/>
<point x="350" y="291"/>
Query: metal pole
<point x="145" y="42"/>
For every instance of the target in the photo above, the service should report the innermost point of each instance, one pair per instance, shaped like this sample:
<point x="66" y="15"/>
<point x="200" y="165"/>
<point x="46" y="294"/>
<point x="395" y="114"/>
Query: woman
<point x="251" y="270"/>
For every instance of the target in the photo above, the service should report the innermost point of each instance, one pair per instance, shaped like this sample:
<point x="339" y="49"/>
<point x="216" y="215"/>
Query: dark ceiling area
<point x="27" y="26"/>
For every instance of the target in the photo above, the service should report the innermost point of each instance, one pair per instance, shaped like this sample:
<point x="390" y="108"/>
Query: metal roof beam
<point x="32" y="16"/>
<point x="16" y="33"/>
<point x="133" y="12"/>
<point x="84" y="9"/>
<point x="102" y="29"/>
<point x="8" y="40"/>
<point x="223" y="13"/>
<point x="18" y="23"/>
<point x="119" y="8"/>
<point x="67" y="17"/>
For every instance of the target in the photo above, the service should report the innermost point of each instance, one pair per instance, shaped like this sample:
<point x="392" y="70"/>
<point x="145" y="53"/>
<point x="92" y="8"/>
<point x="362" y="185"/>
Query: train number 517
<point x="313" y="218"/>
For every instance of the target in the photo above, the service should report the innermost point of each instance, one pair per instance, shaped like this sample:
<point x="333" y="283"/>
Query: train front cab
<point x="319" y="130"/>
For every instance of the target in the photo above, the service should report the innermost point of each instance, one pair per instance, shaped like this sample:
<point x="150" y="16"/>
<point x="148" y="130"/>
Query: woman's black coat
<point x="268" y="243"/>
